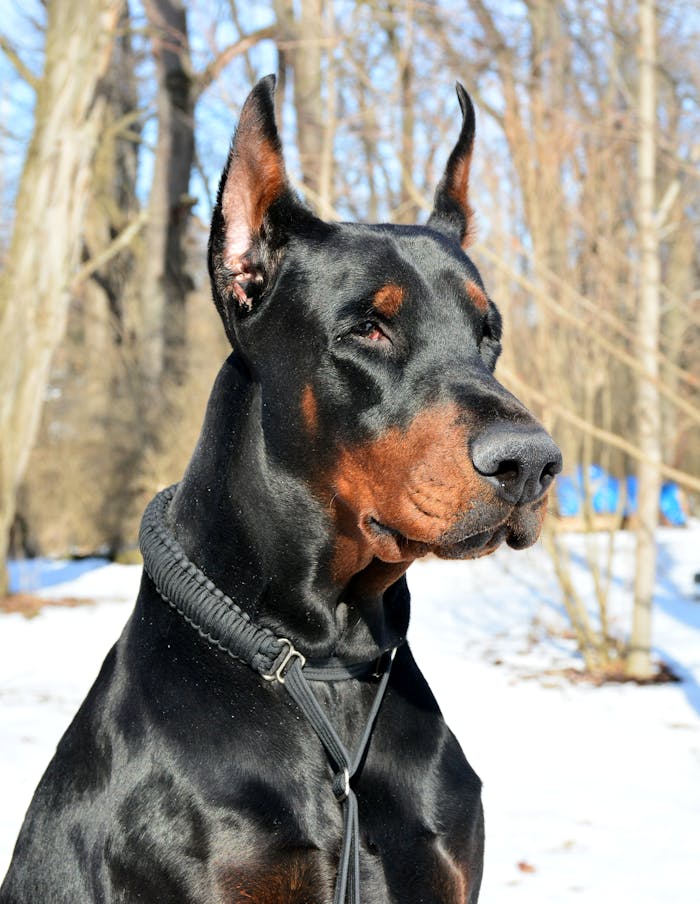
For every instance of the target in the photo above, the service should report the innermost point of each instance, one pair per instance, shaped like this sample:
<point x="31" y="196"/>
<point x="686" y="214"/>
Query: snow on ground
<point x="591" y="794"/>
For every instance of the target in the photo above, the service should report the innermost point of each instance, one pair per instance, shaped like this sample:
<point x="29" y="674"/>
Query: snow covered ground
<point x="591" y="794"/>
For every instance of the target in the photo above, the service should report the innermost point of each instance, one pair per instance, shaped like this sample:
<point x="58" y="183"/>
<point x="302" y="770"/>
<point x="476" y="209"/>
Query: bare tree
<point x="305" y="40"/>
<point x="74" y="496"/>
<point x="639" y="664"/>
<point x="166" y="281"/>
<point x="46" y="240"/>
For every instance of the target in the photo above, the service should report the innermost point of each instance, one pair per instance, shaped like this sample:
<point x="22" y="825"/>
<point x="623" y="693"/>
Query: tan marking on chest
<point x="451" y="877"/>
<point x="281" y="878"/>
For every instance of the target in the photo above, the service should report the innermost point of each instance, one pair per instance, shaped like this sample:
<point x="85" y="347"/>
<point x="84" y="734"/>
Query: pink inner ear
<point x="239" y="234"/>
<point x="256" y="178"/>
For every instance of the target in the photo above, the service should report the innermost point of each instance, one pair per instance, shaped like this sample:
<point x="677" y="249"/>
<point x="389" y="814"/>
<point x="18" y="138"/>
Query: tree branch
<point x="203" y="79"/>
<point x="119" y="242"/>
<point x="19" y="65"/>
<point x="313" y="196"/>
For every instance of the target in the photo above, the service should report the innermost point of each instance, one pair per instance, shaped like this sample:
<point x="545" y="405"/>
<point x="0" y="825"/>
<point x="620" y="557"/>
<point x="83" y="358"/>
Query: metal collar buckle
<point x="341" y="785"/>
<point x="279" y="673"/>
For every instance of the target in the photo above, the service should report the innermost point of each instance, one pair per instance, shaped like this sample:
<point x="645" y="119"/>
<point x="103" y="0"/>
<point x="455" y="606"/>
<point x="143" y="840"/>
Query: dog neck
<point x="260" y="535"/>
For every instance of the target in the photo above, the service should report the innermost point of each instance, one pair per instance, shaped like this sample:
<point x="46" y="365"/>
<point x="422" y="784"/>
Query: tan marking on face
<point x="477" y="296"/>
<point x="418" y="481"/>
<point x="388" y="299"/>
<point x="309" y="410"/>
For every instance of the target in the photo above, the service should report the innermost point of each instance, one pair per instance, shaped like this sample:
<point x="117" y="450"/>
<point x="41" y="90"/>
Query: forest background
<point x="115" y="120"/>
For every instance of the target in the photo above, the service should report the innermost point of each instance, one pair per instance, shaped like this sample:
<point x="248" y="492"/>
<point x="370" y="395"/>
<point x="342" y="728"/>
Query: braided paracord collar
<point x="216" y="618"/>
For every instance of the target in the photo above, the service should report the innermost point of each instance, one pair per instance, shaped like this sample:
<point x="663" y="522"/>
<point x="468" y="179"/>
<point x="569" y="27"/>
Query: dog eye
<point x="487" y="332"/>
<point x="490" y="349"/>
<point x="370" y="329"/>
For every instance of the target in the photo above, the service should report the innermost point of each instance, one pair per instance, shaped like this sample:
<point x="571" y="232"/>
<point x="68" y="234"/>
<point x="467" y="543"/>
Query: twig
<point x="120" y="241"/>
<point x="18" y="63"/>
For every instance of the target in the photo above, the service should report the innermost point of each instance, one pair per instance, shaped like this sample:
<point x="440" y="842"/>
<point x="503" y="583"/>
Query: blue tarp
<point x="27" y="575"/>
<point x="671" y="504"/>
<point x="605" y="495"/>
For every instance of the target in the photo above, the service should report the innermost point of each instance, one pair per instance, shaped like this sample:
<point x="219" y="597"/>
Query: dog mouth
<point x="519" y="529"/>
<point x="475" y="545"/>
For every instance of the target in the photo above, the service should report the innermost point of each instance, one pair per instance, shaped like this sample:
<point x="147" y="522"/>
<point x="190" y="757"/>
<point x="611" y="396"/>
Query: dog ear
<point x="452" y="214"/>
<point x="254" y="208"/>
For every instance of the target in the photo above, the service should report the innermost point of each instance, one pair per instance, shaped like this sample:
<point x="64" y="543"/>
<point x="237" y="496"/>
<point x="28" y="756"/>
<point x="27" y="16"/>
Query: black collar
<point x="215" y="616"/>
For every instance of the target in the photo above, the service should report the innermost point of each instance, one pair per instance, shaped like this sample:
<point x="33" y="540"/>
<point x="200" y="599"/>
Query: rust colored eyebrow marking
<point x="388" y="299"/>
<point x="477" y="296"/>
<point x="309" y="409"/>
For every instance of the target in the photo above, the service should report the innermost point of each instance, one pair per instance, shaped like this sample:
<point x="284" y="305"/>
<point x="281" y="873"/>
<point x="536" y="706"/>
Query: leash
<point x="223" y="624"/>
<point x="348" y="882"/>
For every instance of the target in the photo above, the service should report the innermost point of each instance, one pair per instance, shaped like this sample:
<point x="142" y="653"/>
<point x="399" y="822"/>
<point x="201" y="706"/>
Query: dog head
<point x="373" y="348"/>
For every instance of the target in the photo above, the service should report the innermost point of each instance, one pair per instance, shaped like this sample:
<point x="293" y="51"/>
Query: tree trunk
<point x="400" y="42"/>
<point x="639" y="663"/>
<point x="166" y="279"/>
<point x="113" y="204"/>
<point x="46" y="241"/>
<point x="303" y="53"/>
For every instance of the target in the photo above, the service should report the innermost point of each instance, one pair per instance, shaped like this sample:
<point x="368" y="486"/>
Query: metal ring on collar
<point x="278" y="673"/>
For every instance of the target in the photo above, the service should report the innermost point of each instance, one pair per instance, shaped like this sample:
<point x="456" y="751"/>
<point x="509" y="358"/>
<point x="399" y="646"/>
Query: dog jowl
<point x="356" y="426"/>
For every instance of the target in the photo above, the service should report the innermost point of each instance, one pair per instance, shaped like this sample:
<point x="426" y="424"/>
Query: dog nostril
<point x="507" y="472"/>
<point x="549" y="472"/>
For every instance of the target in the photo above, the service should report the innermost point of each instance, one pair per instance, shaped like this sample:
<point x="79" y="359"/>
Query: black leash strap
<point x="225" y="626"/>
<point x="347" y="887"/>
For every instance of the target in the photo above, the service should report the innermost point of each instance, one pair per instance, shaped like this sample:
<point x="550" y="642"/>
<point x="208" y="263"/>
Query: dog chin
<point x="391" y="546"/>
<point x="481" y="544"/>
<point x="521" y="530"/>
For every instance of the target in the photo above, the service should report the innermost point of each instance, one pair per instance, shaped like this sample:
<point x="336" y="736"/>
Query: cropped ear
<point x="254" y="208"/>
<point x="452" y="214"/>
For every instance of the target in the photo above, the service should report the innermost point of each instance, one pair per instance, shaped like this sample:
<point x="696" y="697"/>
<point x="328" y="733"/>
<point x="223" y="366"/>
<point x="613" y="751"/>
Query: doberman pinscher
<point x="356" y="427"/>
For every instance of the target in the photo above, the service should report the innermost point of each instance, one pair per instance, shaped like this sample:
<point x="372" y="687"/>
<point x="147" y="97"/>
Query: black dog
<point x="356" y="427"/>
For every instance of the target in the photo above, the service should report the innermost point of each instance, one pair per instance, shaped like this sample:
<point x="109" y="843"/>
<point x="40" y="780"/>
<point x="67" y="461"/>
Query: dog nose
<point x="520" y="461"/>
